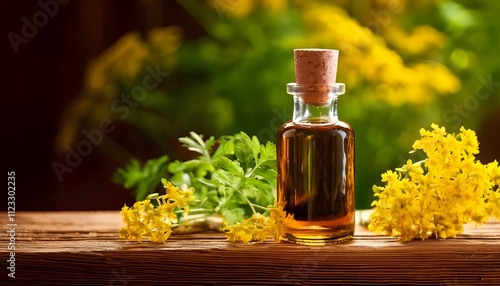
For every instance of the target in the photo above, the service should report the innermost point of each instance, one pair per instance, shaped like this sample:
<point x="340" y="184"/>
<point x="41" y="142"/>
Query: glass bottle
<point x="315" y="156"/>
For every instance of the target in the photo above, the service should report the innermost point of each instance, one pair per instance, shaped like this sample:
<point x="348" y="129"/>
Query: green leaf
<point x="253" y="144"/>
<point x="250" y="192"/>
<point x="256" y="184"/>
<point x="226" y="178"/>
<point x="181" y="178"/>
<point x="226" y="147"/>
<point x="244" y="153"/>
<point x="176" y="166"/>
<point x="143" y="179"/>
<point x="231" y="166"/>
<point x="233" y="215"/>
<point x="198" y="138"/>
<point x="266" y="173"/>
<point x="260" y="192"/>
<point x="196" y="144"/>
<point x="268" y="152"/>
<point x="204" y="169"/>
<point x="208" y="183"/>
<point x="255" y="148"/>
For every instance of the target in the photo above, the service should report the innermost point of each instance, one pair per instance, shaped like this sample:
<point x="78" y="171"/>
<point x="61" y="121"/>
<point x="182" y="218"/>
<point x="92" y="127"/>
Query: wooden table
<point x="83" y="248"/>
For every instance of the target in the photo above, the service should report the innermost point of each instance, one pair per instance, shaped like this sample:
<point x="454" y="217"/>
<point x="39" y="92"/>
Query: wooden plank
<point x="83" y="248"/>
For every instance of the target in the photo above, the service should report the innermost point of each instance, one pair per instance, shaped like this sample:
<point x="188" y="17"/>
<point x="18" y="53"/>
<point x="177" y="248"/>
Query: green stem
<point x="260" y="207"/>
<point x="250" y="174"/>
<point x="193" y="217"/>
<point x="202" y="210"/>
<point x="247" y="201"/>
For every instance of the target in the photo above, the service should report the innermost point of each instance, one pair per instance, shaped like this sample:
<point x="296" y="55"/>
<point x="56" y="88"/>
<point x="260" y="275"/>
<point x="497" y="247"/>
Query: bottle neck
<point x="310" y="114"/>
<point x="315" y="104"/>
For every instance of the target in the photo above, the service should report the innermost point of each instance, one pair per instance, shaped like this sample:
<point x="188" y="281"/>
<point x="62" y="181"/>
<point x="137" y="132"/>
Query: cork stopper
<point x="315" y="67"/>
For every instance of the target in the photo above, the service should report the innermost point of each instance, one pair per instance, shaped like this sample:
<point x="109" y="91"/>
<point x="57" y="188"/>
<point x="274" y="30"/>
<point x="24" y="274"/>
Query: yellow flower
<point x="389" y="176"/>
<point x="277" y="220"/>
<point x="242" y="8"/>
<point x="469" y="141"/>
<point x="155" y="223"/>
<point x="368" y="54"/>
<point x="166" y="211"/>
<point x="420" y="40"/>
<point x="259" y="227"/>
<point x="435" y="197"/>
<point x="494" y="172"/>
<point x="239" y="232"/>
<point x="178" y="197"/>
<point x="251" y="229"/>
<point x="275" y="5"/>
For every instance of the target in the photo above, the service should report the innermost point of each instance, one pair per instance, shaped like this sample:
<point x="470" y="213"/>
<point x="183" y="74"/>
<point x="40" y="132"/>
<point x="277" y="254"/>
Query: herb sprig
<point x="234" y="178"/>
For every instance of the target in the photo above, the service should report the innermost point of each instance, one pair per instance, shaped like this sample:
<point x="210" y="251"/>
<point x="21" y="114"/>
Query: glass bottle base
<point x="319" y="236"/>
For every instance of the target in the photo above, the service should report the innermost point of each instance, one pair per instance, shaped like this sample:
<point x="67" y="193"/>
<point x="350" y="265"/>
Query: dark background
<point x="42" y="79"/>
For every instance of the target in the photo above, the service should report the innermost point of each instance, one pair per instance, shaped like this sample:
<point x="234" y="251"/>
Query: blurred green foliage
<point x="406" y="64"/>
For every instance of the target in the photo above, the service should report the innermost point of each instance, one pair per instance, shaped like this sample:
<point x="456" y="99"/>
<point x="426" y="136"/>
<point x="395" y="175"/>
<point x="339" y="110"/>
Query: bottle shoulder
<point x="339" y="125"/>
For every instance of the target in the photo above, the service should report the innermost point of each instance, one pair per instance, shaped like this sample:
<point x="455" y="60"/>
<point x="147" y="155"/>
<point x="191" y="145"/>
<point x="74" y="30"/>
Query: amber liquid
<point x="316" y="180"/>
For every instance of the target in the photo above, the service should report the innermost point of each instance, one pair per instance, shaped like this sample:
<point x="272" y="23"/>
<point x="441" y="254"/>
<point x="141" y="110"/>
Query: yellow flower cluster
<point x="420" y="40"/>
<point x="366" y="57"/>
<point x="435" y="197"/>
<point x="127" y="58"/>
<point x="366" y="54"/>
<point x="242" y="8"/>
<point x="156" y="222"/>
<point x="117" y="67"/>
<point x="259" y="227"/>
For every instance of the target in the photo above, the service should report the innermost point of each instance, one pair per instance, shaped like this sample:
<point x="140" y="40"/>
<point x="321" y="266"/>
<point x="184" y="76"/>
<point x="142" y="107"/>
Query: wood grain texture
<point x="83" y="248"/>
